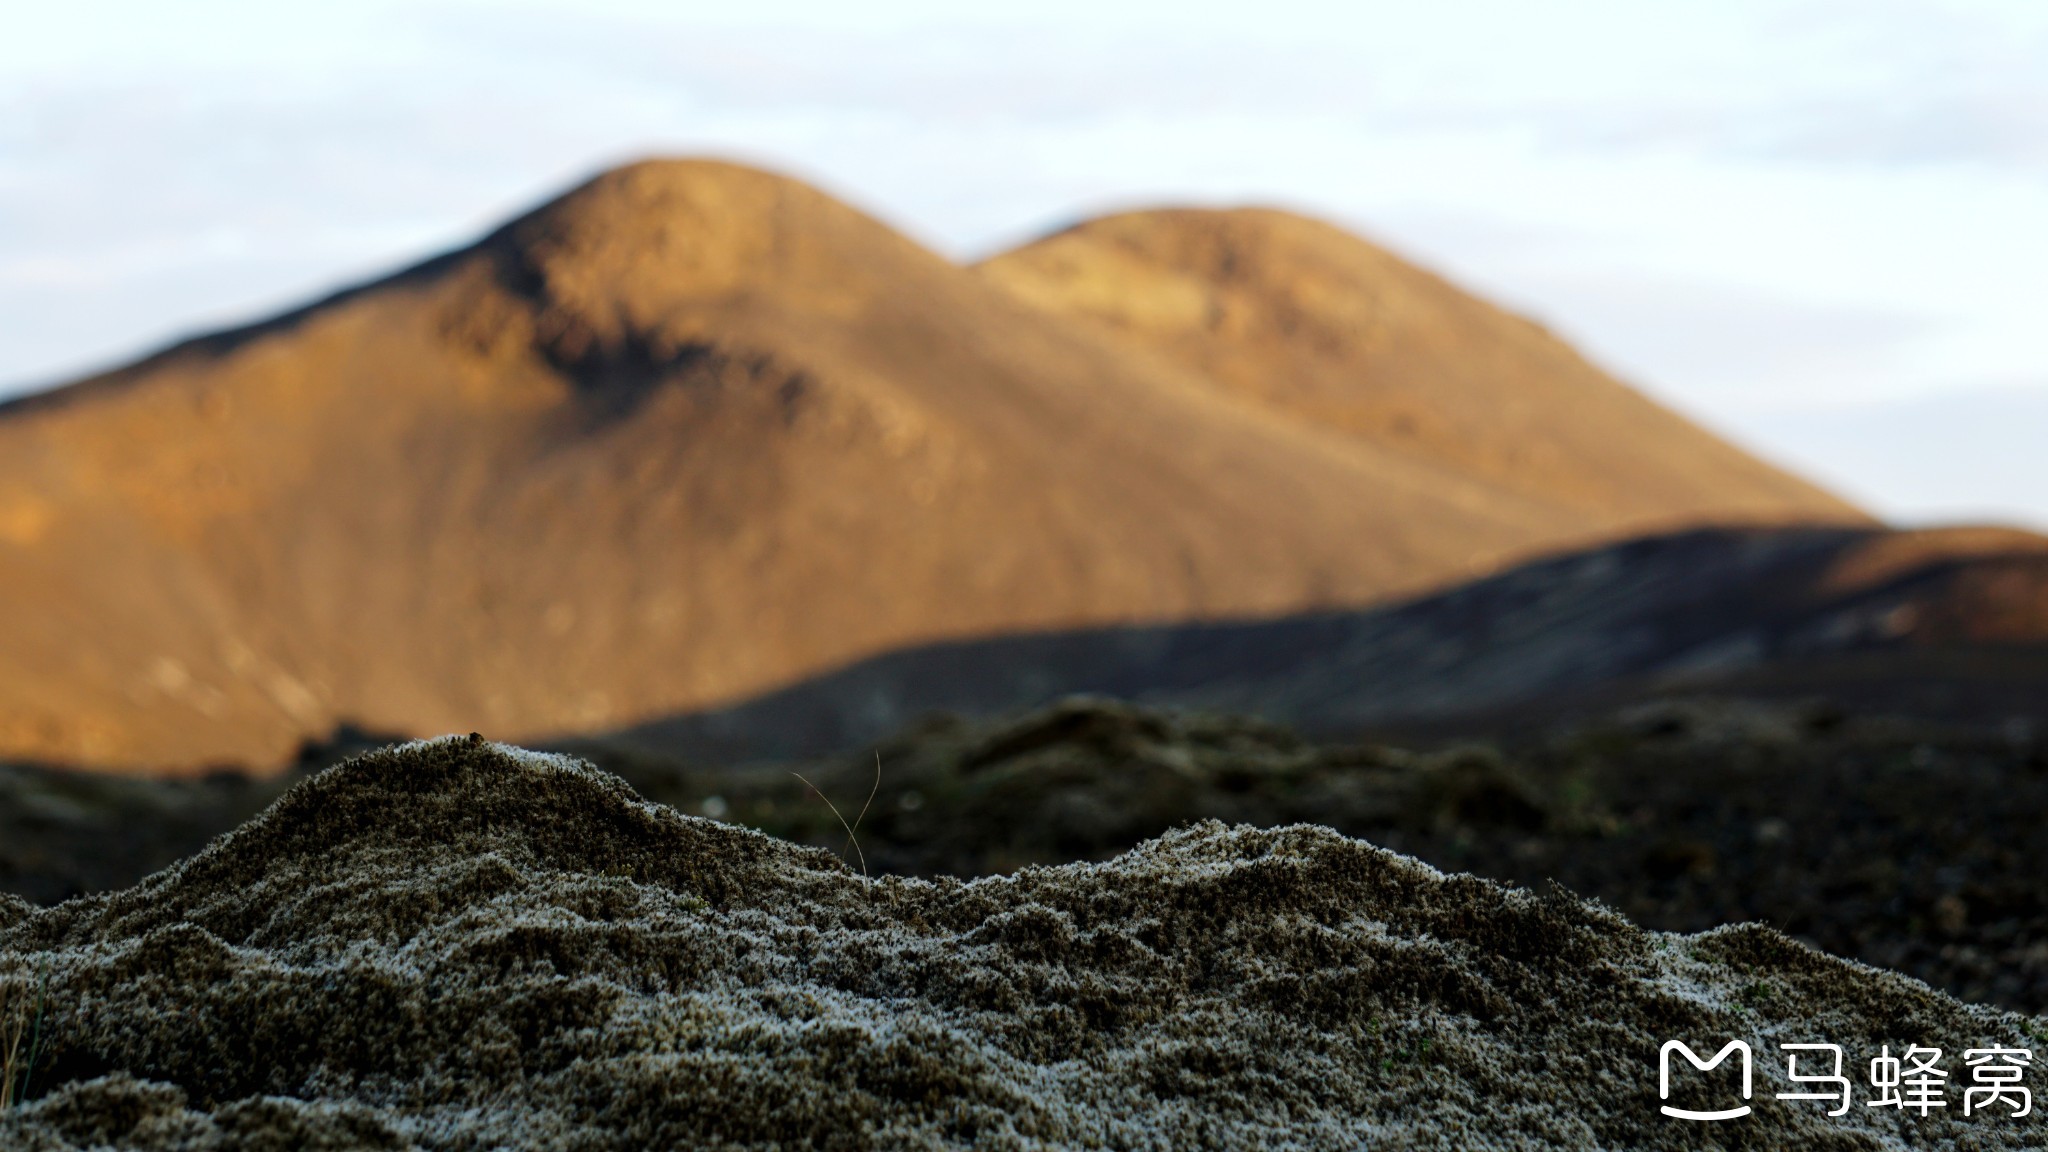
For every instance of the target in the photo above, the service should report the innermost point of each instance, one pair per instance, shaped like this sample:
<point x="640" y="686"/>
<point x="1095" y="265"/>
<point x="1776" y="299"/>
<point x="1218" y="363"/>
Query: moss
<point x="456" y="944"/>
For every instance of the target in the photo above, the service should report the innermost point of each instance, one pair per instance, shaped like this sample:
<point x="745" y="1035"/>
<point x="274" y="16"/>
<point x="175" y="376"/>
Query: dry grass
<point x="21" y="1038"/>
<point x="853" y="829"/>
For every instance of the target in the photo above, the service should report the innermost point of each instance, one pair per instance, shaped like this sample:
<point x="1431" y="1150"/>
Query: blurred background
<point x="1816" y="227"/>
<point x="1170" y="517"/>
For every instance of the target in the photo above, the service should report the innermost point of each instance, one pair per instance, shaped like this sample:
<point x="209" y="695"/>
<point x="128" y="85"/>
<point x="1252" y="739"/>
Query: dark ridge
<point x="1563" y="624"/>
<point x="1741" y="609"/>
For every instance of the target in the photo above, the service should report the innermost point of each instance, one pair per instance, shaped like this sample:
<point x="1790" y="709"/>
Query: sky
<point x="1818" y="227"/>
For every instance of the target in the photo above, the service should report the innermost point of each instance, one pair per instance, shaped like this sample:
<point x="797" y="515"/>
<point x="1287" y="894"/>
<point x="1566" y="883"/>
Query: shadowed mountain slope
<point x="687" y="434"/>
<point x="1949" y="624"/>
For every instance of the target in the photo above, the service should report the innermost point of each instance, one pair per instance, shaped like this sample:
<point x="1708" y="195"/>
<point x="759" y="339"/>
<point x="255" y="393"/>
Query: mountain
<point x="1947" y="625"/>
<point x="1295" y="318"/>
<point x="693" y="432"/>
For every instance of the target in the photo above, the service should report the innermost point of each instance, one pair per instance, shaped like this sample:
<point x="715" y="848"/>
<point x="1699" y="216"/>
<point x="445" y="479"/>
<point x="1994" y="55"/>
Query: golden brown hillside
<point x="694" y="431"/>
<point x="1297" y="318"/>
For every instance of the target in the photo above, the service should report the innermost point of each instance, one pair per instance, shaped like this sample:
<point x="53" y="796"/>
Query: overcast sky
<point x="1819" y="227"/>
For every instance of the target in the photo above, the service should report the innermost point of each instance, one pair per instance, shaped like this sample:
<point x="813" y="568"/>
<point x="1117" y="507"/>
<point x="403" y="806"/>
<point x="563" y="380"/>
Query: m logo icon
<point x="1664" y="1079"/>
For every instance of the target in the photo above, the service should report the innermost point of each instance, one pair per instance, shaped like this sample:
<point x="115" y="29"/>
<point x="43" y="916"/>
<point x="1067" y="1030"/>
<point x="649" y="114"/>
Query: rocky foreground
<point x="457" y="944"/>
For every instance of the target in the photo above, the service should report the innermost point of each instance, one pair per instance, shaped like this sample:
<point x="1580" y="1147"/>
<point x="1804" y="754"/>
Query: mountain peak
<point x="647" y="261"/>
<point x="1298" y="318"/>
<point x="694" y="431"/>
<point x="661" y="232"/>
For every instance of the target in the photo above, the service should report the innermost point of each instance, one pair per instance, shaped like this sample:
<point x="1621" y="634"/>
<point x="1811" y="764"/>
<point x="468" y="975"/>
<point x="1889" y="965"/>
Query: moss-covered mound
<point x="460" y="945"/>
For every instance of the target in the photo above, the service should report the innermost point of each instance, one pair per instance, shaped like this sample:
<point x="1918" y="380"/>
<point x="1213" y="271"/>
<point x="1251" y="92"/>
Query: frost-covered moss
<point x="459" y="945"/>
